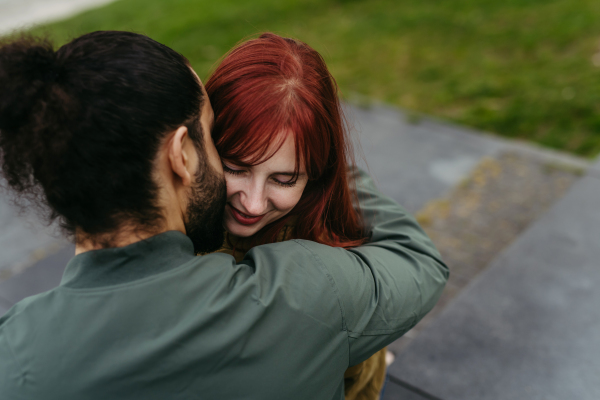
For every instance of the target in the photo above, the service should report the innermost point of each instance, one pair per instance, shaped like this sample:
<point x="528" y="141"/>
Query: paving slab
<point x="394" y="391"/>
<point x="417" y="160"/>
<point x="414" y="162"/>
<point x="24" y="239"/>
<point x="42" y="276"/>
<point x="595" y="169"/>
<point x="481" y="216"/>
<point x="527" y="327"/>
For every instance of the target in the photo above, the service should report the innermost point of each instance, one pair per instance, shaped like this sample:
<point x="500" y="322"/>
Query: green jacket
<point x="153" y="321"/>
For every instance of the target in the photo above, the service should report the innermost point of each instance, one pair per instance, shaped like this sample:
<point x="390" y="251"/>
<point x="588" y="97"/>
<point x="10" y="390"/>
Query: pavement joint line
<point x="412" y="388"/>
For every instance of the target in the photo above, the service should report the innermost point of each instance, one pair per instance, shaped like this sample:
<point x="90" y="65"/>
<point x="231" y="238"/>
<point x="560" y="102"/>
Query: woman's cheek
<point x="233" y="185"/>
<point x="287" y="199"/>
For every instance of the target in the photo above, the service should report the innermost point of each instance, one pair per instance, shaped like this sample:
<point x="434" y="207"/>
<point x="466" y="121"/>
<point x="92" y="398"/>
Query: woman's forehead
<point x="278" y="156"/>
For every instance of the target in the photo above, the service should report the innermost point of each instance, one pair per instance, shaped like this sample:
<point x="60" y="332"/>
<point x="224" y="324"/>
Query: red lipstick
<point x="242" y="218"/>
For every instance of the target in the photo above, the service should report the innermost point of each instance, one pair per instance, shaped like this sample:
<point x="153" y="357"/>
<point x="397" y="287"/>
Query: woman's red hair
<point x="270" y="85"/>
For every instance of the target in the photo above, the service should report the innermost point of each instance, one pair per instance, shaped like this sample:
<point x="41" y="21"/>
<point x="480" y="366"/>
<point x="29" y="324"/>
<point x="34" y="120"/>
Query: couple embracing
<point x="226" y="247"/>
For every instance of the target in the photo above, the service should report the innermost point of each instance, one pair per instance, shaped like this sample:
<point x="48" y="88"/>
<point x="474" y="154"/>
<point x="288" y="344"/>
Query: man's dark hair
<point x="80" y="127"/>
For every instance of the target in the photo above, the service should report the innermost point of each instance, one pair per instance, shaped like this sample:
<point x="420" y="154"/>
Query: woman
<point x="279" y="131"/>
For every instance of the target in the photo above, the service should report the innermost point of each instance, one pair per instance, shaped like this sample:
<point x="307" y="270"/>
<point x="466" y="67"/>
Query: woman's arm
<point x="407" y="274"/>
<point x="381" y="289"/>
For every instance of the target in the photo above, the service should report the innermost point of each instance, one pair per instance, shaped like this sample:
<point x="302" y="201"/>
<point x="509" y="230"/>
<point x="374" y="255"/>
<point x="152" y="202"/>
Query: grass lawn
<point x="525" y="69"/>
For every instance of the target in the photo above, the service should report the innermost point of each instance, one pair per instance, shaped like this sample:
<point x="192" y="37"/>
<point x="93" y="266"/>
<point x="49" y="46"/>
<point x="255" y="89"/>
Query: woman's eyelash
<point x="232" y="171"/>
<point x="241" y="171"/>
<point x="286" y="184"/>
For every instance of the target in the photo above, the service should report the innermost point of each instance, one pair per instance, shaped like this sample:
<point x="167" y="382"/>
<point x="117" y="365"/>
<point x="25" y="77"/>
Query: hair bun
<point x="26" y="67"/>
<point x="31" y="109"/>
<point x="36" y="61"/>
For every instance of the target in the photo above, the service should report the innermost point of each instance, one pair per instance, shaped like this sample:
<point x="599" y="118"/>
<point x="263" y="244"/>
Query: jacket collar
<point x="106" y="267"/>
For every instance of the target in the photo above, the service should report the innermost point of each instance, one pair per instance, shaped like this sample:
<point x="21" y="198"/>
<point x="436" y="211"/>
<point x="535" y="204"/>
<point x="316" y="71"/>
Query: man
<point x="112" y="132"/>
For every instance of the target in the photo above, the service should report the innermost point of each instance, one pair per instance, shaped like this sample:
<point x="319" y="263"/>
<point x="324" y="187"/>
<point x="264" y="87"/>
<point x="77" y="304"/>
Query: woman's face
<point x="263" y="193"/>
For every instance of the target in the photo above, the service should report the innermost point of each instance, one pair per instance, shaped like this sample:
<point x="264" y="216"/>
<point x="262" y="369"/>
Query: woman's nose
<point x="253" y="199"/>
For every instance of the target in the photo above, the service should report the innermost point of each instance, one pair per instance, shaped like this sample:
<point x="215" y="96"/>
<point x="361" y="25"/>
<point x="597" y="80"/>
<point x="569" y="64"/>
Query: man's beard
<point x="204" y="225"/>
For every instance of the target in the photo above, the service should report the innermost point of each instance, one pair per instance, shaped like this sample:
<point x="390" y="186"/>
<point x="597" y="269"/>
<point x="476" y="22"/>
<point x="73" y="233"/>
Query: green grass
<point x="517" y="68"/>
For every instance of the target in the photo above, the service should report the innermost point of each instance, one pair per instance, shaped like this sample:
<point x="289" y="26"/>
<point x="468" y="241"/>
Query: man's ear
<point x="179" y="156"/>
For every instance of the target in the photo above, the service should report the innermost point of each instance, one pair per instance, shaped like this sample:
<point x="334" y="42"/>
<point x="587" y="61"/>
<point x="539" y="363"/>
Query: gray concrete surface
<point x="415" y="162"/>
<point x="23" y="239"/>
<point x="527" y="327"/>
<point x="485" y="213"/>
<point x="395" y="391"/>
<point x="40" y="277"/>
<point x="23" y="14"/>
<point x="594" y="170"/>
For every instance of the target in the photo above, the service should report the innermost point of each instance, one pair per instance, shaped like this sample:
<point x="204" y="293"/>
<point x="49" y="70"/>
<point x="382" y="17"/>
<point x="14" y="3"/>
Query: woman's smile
<point x="242" y="218"/>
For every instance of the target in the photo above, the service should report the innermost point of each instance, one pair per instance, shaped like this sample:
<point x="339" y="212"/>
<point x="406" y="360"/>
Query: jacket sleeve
<point x="387" y="285"/>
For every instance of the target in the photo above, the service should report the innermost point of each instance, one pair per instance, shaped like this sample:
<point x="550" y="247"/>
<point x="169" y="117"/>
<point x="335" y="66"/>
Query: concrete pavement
<point x="527" y="327"/>
<point x="415" y="162"/>
<point x="24" y="238"/>
<point x="40" y="277"/>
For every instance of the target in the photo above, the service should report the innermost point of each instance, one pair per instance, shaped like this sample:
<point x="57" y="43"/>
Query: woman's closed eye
<point x="231" y="170"/>
<point x="291" y="182"/>
<point x="281" y="179"/>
